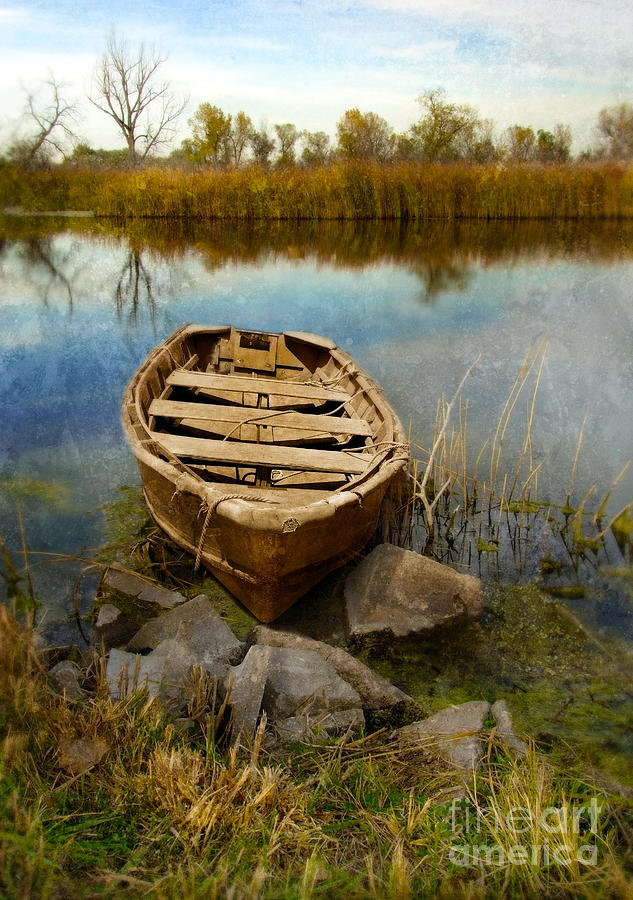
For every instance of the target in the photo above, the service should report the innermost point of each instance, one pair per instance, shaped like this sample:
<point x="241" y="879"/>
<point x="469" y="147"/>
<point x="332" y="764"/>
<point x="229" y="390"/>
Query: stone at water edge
<point x="452" y="733"/>
<point x="401" y="592"/>
<point x="375" y="692"/>
<point x="198" y="626"/>
<point x="301" y="680"/>
<point x="141" y="588"/>
<point x="112" y="628"/>
<point x="505" y="729"/>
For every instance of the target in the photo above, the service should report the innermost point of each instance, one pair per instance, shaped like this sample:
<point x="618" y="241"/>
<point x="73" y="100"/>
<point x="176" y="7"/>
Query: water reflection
<point x="134" y="288"/>
<point x="443" y="255"/>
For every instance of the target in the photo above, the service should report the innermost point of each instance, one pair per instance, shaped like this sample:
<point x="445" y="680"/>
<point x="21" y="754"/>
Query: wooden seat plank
<point x="267" y="455"/>
<point x="265" y="386"/>
<point x="211" y="412"/>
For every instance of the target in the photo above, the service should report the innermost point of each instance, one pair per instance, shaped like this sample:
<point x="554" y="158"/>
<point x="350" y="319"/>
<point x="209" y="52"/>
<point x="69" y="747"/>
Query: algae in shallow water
<point x="562" y="684"/>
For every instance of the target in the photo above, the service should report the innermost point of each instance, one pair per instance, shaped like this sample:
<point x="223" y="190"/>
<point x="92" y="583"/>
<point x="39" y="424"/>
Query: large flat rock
<point x="300" y="680"/>
<point x="400" y="592"/>
<point x="143" y="589"/>
<point x="375" y="692"/>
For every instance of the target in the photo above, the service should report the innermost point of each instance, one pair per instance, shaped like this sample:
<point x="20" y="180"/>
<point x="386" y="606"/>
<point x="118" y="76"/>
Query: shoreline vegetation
<point x="106" y="797"/>
<point x="339" y="191"/>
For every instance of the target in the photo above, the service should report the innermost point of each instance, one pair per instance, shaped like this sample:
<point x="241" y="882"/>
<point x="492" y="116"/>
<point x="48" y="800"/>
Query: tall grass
<point x="340" y="191"/>
<point x="489" y="515"/>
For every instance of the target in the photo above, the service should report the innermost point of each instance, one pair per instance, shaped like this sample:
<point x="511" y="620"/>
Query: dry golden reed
<point x="339" y="191"/>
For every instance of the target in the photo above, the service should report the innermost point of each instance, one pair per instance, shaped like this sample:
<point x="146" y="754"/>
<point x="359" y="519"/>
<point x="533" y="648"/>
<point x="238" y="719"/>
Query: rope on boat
<point x="210" y="508"/>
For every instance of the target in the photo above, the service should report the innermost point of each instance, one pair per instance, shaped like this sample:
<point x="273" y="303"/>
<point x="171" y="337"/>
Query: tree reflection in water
<point x="134" y="288"/>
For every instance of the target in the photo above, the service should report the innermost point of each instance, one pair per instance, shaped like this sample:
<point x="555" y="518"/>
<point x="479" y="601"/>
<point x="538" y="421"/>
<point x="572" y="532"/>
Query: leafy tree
<point x="445" y="130"/>
<point x="126" y="88"/>
<point x="615" y="127"/>
<point x="520" y="143"/>
<point x="48" y="119"/>
<point x="211" y="140"/>
<point x="287" y="135"/>
<point x="316" y="150"/>
<point x="365" y="136"/>
<point x="262" y="146"/>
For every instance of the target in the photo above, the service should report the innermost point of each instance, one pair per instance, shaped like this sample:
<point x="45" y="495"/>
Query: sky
<point x="529" y="62"/>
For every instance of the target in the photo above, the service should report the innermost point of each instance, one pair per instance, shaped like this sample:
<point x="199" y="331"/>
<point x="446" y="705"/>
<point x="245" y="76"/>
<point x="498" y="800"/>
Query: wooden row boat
<point x="267" y="456"/>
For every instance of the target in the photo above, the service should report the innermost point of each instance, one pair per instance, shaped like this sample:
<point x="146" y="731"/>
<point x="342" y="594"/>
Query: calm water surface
<point x="82" y="303"/>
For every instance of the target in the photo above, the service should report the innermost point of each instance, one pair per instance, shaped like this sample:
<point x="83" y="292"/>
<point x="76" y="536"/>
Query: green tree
<point x="615" y="127"/>
<point x="365" y="136"/>
<point x="126" y="88"/>
<point x="445" y="131"/>
<point x="211" y="139"/>
<point x="553" y="146"/>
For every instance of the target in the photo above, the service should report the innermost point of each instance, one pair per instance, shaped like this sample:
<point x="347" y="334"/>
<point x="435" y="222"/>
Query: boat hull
<point x="267" y="552"/>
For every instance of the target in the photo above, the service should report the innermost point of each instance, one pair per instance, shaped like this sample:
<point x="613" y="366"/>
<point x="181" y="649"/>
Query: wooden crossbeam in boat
<point x="210" y="412"/>
<point x="267" y="455"/>
<point x="266" y="386"/>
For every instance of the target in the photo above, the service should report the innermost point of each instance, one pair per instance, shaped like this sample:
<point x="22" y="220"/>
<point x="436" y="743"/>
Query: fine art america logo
<point x="557" y="835"/>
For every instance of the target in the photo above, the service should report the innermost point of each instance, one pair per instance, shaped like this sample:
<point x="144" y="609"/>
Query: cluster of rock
<point x="306" y="688"/>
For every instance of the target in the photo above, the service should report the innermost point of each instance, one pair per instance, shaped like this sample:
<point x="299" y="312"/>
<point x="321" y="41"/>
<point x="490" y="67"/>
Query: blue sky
<point x="534" y="62"/>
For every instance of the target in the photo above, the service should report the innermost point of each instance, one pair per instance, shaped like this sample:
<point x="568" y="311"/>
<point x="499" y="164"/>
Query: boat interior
<point x="289" y="412"/>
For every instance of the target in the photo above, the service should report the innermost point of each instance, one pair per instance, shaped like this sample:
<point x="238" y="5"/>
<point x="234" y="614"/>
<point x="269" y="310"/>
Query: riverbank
<point x="112" y="798"/>
<point x="339" y="191"/>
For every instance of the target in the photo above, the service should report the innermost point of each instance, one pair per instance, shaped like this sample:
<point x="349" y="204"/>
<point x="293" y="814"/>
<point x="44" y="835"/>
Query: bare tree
<point x="127" y="88"/>
<point x="49" y="120"/>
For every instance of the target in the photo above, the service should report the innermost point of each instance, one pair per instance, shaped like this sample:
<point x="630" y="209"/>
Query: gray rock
<point x="198" y="627"/>
<point x="143" y="589"/>
<point x="505" y="729"/>
<point x="112" y="628"/>
<point x="401" y="592"/>
<point x="320" y="727"/>
<point x="300" y="680"/>
<point x="66" y="676"/>
<point x="375" y="692"/>
<point x="247" y="683"/>
<point x="78" y="756"/>
<point x="163" y="672"/>
<point x="452" y="733"/>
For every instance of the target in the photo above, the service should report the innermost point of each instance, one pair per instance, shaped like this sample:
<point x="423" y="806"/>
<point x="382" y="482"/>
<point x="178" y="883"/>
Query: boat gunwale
<point x="250" y="511"/>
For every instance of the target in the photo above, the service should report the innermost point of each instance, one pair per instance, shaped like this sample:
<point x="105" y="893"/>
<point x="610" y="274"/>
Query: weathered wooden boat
<point x="267" y="456"/>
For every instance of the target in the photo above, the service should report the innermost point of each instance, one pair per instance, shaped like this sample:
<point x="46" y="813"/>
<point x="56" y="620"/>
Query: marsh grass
<point x="169" y="813"/>
<point x="339" y="191"/>
<point x="489" y="516"/>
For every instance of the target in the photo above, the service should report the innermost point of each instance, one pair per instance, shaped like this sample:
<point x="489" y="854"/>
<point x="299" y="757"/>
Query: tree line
<point x="128" y="88"/>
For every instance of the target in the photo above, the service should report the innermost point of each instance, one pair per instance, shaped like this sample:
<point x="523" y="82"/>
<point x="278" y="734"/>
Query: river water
<point x="81" y="303"/>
